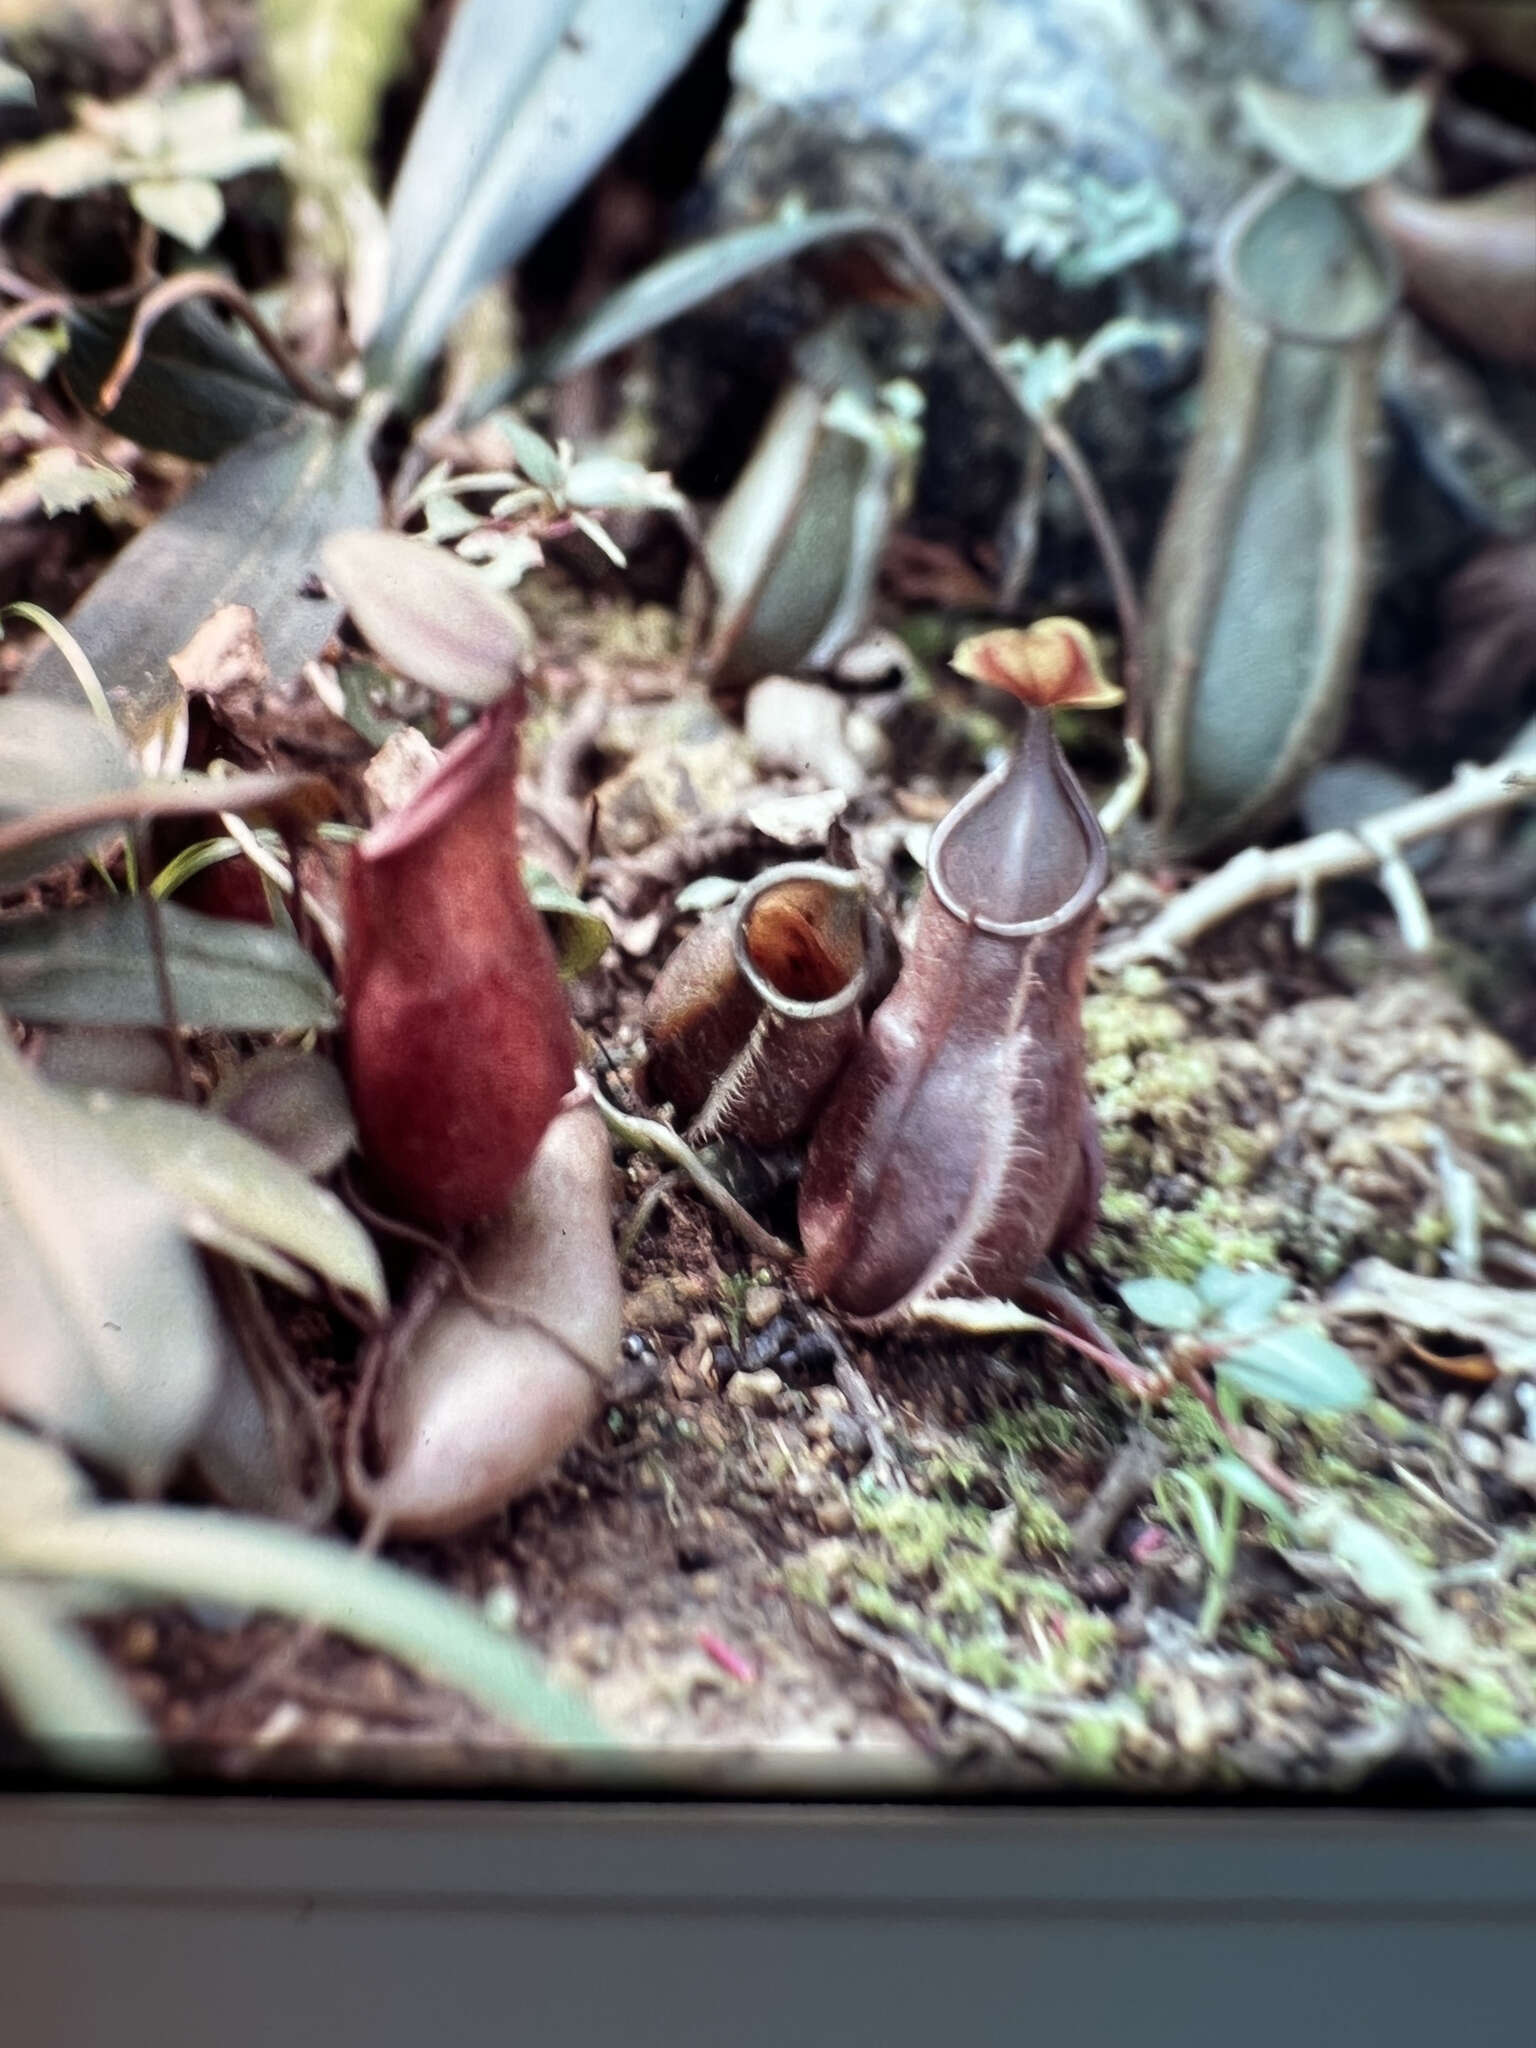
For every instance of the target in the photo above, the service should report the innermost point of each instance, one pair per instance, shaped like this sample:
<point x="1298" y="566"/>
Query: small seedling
<point x="1228" y="1322"/>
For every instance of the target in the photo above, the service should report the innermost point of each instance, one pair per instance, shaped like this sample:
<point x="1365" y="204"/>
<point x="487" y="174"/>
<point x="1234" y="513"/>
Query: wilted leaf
<point x="302" y="797"/>
<point x="199" y="389"/>
<point x="429" y="615"/>
<point x="191" y="209"/>
<point x="94" y="966"/>
<point x="60" y="479"/>
<point x="1299" y="1367"/>
<point x="1503" y="1319"/>
<point x="679" y="283"/>
<point x="1341" y="142"/>
<point x="236" y="1197"/>
<point x="1388" y="1577"/>
<point x="525" y="105"/>
<point x="293" y="1102"/>
<point x="53" y="755"/>
<point x="110" y="1337"/>
<point x="250" y="534"/>
<point x="581" y="934"/>
<point x="1165" y="1304"/>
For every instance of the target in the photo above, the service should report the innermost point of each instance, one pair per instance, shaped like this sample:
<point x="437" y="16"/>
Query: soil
<point x="758" y="1581"/>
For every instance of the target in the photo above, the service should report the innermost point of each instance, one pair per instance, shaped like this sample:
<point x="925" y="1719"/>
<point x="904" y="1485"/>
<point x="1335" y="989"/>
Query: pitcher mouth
<point x="1095" y="874"/>
<point x="840" y="881"/>
<point x="1241" y="222"/>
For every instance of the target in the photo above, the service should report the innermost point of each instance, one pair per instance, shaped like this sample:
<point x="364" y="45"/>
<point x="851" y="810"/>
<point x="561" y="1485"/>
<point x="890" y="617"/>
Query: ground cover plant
<point x="662" y="1101"/>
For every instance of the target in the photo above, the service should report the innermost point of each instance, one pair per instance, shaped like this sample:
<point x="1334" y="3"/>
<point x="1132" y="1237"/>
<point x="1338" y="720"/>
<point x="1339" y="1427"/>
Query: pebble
<point x="849" y="1436"/>
<point x="761" y="1305"/>
<point x="815" y="1351"/>
<point x="1493" y="1412"/>
<point x="767" y="1345"/>
<point x="1520" y="1463"/>
<point x="656" y="1304"/>
<point x="1525" y="1394"/>
<point x="834" y="1517"/>
<point x="1480" y="1452"/>
<point x="709" y="1329"/>
<point x="759" y="1389"/>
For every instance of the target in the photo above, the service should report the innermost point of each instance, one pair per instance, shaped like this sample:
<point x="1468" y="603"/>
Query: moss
<point x="1482" y="1706"/>
<point x="1035" y="1426"/>
<point x="925" y="1566"/>
<point x="1185" y="1426"/>
<point x="1136" y="1236"/>
<point x="1095" y="1746"/>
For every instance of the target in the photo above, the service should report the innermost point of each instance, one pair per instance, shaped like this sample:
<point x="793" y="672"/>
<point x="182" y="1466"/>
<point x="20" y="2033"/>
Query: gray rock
<point x="1067" y="159"/>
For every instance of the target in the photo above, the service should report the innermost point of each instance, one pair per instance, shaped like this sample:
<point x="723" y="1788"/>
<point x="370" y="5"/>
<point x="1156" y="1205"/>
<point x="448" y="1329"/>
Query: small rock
<point x="708" y="1329"/>
<point x="1479" y="1451"/>
<point x="755" y="1389"/>
<point x="768" y="1344"/>
<point x="1520" y="1463"/>
<point x="849" y="1436"/>
<point x="1525" y="1394"/>
<point x="761" y="1305"/>
<point x="817" y="1351"/>
<point x="1493" y="1412"/>
<point x="834" y="1517"/>
<point x="655" y="1305"/>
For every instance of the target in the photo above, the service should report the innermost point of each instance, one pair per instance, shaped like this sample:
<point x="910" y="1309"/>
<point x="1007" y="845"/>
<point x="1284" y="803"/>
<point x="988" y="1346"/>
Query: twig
<point x="1129" y="1478"/>
<point x="208" y="284"/>
<point x="865" y="1409"/>
<point x="645" y="1134"/>
<point x="1258" y="874"/>
<point x="1020" y="1725"/>
<point x="1266" y="1468"/>
<point x="1062" y="447"/>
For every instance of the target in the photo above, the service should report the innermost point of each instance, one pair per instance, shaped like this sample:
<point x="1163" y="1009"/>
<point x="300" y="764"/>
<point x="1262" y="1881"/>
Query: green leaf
<point x="53" y="755"/>
<point x="94" y="966"/>
<point x="110" y="1338"/>
<point x="65" y="1696"/>
<point x="428" y="615"/>
<point x="199" y="389"/>
<point x="189" y="1554"/>
<point x="1165" y="1304"/>
<point x="250" y="533"/>
<point x="191" y="209"/>
<point x="1299" y="1367"/>
<point x="1342" y="142"/>
<point x="1202" y="1515"/>
<point x="233" y="1194"/>
<point x="330" y="61"/>
<point x="1243" y="1302"/>
<point x="581" y="934"/>
<point x="679" y="283"/>
<point x="36" y="1478"/>
<point x="525" y="105"/>
<point x="1248" y="1486"/>
<point x="293" y="1102"/>
<point x="538" y="461"/>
